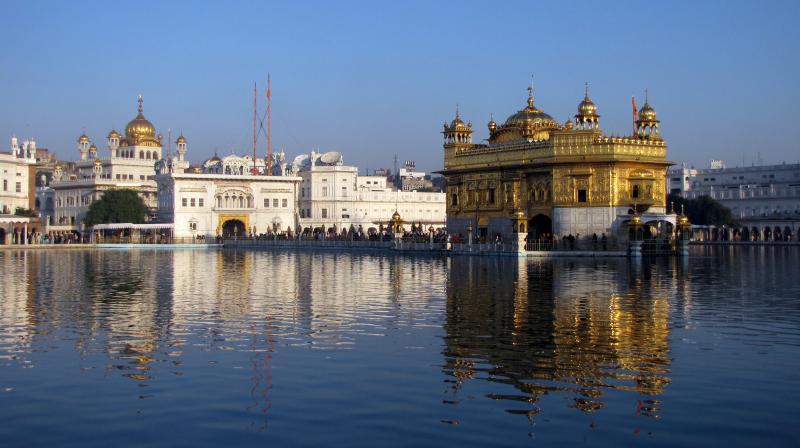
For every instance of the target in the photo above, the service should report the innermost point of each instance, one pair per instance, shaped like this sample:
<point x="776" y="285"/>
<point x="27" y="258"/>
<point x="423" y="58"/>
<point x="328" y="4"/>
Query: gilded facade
<point x="560" y="179"/>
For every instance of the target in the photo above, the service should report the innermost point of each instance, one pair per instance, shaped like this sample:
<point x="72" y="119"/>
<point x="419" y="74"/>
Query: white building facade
<point x="333" y="197"/>
<point x="756" y="191"/>
<point x="18" y="191"/>
<point x="207" y="203"/>
<point x="130" y="164"/>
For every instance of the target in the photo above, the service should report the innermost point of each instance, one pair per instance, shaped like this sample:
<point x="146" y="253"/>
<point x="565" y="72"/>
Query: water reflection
<point x="582" y="329"/>
<point x="280" y="342"/>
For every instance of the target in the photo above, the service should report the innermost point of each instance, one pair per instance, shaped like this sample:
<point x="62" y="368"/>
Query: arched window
<point x="635" y="193"/>
<point x="241" y="202"/>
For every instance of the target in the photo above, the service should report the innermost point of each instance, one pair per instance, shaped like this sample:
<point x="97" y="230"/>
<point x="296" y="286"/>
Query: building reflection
<point x="582" y="329"/>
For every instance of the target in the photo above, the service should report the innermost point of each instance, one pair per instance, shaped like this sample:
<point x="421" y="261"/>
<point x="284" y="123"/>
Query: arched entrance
<point x="233" y="228"/>
<point x="2" y="236"/>
<point x="540" y="226"/>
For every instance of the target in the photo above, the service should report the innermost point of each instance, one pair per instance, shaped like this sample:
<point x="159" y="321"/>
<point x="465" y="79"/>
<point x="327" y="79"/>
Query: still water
<point x="202" y="348"/>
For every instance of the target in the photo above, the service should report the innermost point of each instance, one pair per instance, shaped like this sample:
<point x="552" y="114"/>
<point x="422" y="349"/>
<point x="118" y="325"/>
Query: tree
<point x="122" y="205"/>
<point x="704" y="210"/>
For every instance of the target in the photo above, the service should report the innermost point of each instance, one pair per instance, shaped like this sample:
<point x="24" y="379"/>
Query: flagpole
<point x="269" y="118"/>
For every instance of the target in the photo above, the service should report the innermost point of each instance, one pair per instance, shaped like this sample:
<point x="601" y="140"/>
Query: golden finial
<point x="586" y="89"/>
<point x="457" y="116"/>
<point x="140" y="103"/>
<point x="530" y="93"/>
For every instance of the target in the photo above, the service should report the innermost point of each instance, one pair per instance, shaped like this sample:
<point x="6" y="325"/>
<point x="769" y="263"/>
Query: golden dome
<point x="83" y="138"/>
<point x="647" y="113"/>
<point x="396" y="216"/>
<point x="97" y="162"/>
<point x="93" y="148"/>
<point x="113" y="134"/>
<point x="181" y="139"/>
<point x="587" y="108"/>
<point x="530" y="116"/>
<point x="140" y="132"/>
<point x="492" y="124"/>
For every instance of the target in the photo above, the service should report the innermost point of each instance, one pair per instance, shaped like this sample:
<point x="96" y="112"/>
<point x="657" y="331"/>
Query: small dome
<point x="83" y="138"/>
<point x="587" y="108"/>
<point x="492" y="125"/>
<point x="97" y="162"/>
<point x="647" y="113"/>
<point x="396" y="216"/>
<point x="181" y="139"/>
<point x="93" y="148"/>
<point x="113" y="134"/>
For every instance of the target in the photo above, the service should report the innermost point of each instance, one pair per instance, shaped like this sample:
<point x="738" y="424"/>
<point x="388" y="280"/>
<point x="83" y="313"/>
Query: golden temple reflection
<point x="536" y="327"/>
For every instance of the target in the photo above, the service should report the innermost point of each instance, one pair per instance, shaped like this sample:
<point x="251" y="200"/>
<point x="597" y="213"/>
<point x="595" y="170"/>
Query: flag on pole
<point x="635" y="113"/>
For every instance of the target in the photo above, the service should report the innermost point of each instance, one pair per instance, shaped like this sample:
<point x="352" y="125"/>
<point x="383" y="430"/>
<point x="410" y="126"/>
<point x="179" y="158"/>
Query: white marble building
<point x="755" y="191"/>
<point x="207" y="202"/>
<point x="130" y="164"/>
<point x="17" y="175"/>
<point x="333" y="196"/>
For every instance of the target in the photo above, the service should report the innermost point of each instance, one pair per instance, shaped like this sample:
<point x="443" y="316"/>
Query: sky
<point x="378" y="79"/>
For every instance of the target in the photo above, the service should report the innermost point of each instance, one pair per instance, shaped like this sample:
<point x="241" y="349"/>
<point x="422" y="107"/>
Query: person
<point x="605" y="241"/>
<point x="594" y="241"/>
<point x="571" y="240"/>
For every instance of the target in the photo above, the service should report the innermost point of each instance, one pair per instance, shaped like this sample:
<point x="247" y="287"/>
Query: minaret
<point x="83" y="145"/>
<point x="113" y="142"/>
<point x="14" y="146"/>
<point x="92" y="151"/>
<point x="180" y="148"/>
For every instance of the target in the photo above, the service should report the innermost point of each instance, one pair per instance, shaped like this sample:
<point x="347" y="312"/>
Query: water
<point x="203" y="348"/>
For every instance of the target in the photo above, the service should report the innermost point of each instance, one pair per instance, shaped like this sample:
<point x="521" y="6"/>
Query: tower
<point x="93" y="151"/>
<point x="457" y="135"/>
<point x="83" y="145"/>
<point x="14" y="146"/>
<point x="180" y="148"/>
<point x="97" y="169"/>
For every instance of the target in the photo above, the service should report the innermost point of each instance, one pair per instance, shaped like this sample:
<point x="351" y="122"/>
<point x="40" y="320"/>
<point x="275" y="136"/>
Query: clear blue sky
<point x="374" y="79"/>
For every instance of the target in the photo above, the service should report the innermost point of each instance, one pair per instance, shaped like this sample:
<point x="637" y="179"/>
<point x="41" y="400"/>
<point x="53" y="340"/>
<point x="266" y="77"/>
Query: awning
<point x="123" y="225"/>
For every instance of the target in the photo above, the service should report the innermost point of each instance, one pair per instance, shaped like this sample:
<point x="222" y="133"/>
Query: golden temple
<point x="537" y="176"/>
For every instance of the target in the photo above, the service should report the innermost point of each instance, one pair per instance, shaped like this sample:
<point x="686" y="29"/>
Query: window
<point x="141" y="177"/>
<point x="192" y="202"/>
<point x="192" y="226"/>
<point x="19" y="187"/>
<point x="344" y="192"/>
<point x="490" y="196"/>
<point x="582" y="195"/>
<point x="324" y="192"/>
<point x="183" y="202"/>
<point x="303" y="192"/>
<point x="5" y="185"/>
<point x="200" y="202"/>
<point x="275" y="202"/>
<point x="266" y="202"/>
<point x="634" y="194"/>
<point x="285" y="203"/>
<point x="324" y="213"/>
<point x="345" y="216"/>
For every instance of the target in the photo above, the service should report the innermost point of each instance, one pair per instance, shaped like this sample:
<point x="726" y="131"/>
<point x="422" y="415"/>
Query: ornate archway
<point x="234" y="228"/>
<point x="230" y="223"/>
